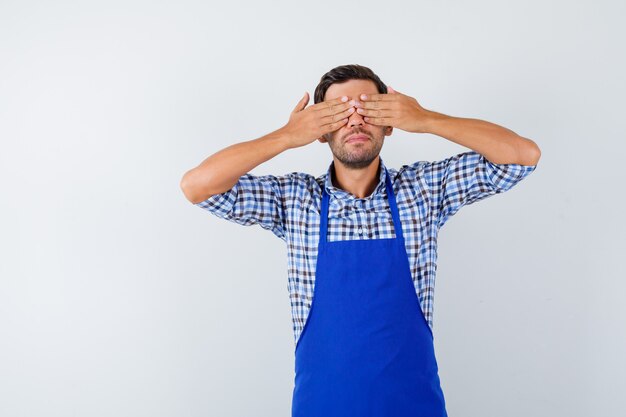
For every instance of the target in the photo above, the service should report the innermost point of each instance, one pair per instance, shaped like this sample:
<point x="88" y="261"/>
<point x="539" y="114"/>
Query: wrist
<point x="433" y="121"/>
<point x="282" y="137"/>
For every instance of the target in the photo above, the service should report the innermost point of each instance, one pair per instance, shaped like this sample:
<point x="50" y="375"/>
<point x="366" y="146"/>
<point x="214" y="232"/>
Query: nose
<point x="355" y="119"/>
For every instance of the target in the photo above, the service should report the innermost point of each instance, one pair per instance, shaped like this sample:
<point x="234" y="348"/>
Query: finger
<point x="377" y="97"/>
<point x="391" y="90"/>
<point x="379" y="121"/>
<point x="379" y="104"/>
<point x="335" y="110"/>
<point x="379" y="101"/>
<point x="324" y="105"/>
<point x="375" y="112"/>
<point x="331" y="127"/>
<point x="302" y="103"/>
<point x="332" y="118"/>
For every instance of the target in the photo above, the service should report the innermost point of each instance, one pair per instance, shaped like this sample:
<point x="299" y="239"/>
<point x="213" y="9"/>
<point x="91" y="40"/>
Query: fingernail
<point x="363" y="97"/>
<point x="344" y="99"/>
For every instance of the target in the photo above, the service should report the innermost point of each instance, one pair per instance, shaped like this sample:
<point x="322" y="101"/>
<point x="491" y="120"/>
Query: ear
<point x="388" y="130"/>
<point x="322" y="139"/>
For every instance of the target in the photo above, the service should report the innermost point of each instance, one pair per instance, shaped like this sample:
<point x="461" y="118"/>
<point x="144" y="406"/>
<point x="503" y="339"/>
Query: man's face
<point x="355" y="154"/>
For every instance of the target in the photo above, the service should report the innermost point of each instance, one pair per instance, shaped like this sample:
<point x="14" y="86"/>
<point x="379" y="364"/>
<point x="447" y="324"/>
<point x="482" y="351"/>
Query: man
<point x="361" y="239"/>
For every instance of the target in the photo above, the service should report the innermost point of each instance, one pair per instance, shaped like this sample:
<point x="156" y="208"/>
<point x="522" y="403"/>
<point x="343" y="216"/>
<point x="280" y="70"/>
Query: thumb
<point x="302" y="103"/>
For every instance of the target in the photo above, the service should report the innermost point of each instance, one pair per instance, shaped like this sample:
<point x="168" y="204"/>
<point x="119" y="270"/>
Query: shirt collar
<point x="331" y="189"/>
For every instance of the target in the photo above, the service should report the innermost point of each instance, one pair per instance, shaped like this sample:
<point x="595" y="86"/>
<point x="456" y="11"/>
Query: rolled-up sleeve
<point x="252" y="200"/>
<point x="466" y="178"/>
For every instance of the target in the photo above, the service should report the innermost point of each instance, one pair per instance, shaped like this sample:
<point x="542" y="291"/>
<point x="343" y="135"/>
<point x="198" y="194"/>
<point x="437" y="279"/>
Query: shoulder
<point x="285" y="182"/>
<point x="411" y="172"/>
<point x="297" y="185"/>
<point x="430" y="170"/>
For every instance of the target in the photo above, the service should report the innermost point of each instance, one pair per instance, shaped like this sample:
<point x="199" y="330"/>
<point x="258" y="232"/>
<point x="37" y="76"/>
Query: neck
<point x="358" y="182"/>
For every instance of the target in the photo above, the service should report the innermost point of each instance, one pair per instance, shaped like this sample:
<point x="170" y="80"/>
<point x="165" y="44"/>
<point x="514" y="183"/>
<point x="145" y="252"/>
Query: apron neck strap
<point x="392" y="205"/>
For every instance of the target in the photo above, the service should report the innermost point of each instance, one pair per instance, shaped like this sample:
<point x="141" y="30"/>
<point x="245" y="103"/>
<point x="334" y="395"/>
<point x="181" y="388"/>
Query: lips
<point x="357" y="138"/>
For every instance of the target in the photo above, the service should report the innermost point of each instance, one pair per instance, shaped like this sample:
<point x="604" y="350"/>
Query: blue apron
<point x="366" y="349"/>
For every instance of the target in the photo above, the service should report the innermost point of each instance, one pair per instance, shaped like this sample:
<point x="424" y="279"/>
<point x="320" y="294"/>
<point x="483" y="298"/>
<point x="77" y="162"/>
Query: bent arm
<point x="221" y="171"/>
<point x="497" y="143"/>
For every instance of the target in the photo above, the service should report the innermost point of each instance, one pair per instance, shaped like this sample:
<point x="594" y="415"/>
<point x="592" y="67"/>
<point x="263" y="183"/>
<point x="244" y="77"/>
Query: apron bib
<point x="366" y="349"/>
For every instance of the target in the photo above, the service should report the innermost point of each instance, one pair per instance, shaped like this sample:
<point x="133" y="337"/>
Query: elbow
<point x="195" y="187"/>
<point x="535" y="154"/>
<point x="530" y="153"/>
<point x="186" y="186"/>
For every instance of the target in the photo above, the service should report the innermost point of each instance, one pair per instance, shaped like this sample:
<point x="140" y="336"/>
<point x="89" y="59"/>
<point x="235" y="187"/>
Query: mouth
<point x="357" y="138"/>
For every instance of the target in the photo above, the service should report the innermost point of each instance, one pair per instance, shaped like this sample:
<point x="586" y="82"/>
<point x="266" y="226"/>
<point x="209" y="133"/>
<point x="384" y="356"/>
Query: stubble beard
<point x="356" y="156"/>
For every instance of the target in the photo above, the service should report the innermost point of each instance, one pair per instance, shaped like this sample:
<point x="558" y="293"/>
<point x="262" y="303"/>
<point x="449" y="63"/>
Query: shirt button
<point x="360" y="230"/>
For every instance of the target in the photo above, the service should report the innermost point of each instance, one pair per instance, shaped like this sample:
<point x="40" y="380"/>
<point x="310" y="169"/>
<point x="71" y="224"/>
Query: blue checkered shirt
<point x="427" y="194"/>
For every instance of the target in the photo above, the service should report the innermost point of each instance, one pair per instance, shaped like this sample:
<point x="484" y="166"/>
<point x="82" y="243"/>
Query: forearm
<point x="221" y="171"/>
<point x="498" y="144"/>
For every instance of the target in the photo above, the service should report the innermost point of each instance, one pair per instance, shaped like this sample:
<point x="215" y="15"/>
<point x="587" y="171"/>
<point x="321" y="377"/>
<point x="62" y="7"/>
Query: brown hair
<point x="344" y="73"/>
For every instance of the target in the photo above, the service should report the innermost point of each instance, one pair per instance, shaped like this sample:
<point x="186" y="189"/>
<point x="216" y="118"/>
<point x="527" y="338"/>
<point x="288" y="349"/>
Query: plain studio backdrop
<point x="118" y="297"/>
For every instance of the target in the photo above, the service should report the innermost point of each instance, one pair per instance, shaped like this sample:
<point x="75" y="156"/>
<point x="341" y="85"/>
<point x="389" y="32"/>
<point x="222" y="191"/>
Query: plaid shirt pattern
<point x="427" y="195"/>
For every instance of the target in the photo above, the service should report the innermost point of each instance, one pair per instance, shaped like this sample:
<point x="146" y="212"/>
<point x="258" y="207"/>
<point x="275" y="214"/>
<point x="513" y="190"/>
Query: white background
<point x="118" y="297"/>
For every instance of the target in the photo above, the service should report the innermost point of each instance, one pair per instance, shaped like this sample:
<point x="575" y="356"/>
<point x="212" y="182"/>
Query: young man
<point x="361" y="239"/>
